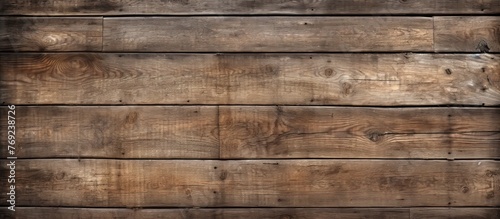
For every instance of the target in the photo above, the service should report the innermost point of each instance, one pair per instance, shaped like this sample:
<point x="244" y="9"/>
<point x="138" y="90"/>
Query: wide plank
<point x="203" y="213"/>
<point x="306" y="79"/>
<point x="456" y="213"/>
<point x="264" y="34"/>
<point x="254" y="183"/>
<point x="115" y="132"/>
<point x="50" y="33"/>
<point x="346" y="132"/>
<point x="467" y="34"/>
<point x="215" y="7"/>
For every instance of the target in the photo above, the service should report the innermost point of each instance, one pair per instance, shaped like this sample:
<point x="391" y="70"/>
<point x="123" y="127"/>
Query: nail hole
<point x="448" y="71"/>
<point x="215" y="168"/>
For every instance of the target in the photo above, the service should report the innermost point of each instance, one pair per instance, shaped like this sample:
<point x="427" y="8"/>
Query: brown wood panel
<point x="346" y="132"/>
<point x="467" y="34"/>
<point x="219" y="213"/>
<point x="264" y="34"/>
<point x="50" y="33"/>
<point x="307" y="79"/>
<point x="115" y="132"/>
<point x="113" y="7"/>
<point x="254" y="183"/>
<point x="456" y="213"/>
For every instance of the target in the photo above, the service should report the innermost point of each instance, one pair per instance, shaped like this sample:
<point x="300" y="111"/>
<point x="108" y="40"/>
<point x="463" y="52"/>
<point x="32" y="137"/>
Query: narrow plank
<point x="185" y="7"/>
<point x="306" y="79"/>
<point x="255" y="183"/>
<point x="345" y="132"/>
<point x="50" y="34"/>
<point x="456" y="213"/>
<point x="262" y="34"/>
<point x="115" y="132"/>
<point x="219" y="213"/>
<point x="467" y="34"/>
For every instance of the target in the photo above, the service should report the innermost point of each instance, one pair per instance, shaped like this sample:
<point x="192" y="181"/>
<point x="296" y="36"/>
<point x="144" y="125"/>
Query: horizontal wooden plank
<point x="467" y="34"/>
<point x="244" y="213"/>
<point x="202" y="213"/>
<point x="346" y="132"/>
<point x="307" y="79"/>
<point x="115" y="132"/>
<point x="264" y="34"/>
<point x="254" y="183"/>
<point x="183" y="7"/>
<point x="465" y="213"/>
<point x="255" y="132"/>
<point x="50" y="33"/>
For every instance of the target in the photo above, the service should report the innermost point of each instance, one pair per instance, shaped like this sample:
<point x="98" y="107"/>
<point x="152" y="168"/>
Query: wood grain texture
<point x="50" y="34"/>
<point x="184" y="7"/>
<point x="307" y="79"/>
<point x="115" y="132"/>
<point x="203" y="213"/>
<point x="456" y="213"/>
<point x="262" y="34"/>
<point x="255" y="183"/>
<point x="467" y="34"/>
<point x="339" y="132"/>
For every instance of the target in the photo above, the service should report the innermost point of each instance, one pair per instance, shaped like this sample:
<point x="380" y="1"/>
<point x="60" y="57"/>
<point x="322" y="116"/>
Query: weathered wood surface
<point x="256" y="132"/>
<point x="262" y="34"/>
<point x="261" y="213"/>
<point x="456" y="213"/>
<point x="269" y="183"/>
<point x="115" y="132"/>
<point x="340" y="132"/>
<point x="203" y="213"/>
<point x="50" y="33"/>
<point x="306" y="79"/>
<point x="185" y="7"/>
<point x="467" y="34"/>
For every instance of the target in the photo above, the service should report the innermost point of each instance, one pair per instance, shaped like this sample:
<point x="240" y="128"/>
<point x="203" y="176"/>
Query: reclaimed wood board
<point x="467" y="34"/>
<point x="116" y="132"/>
<point x="275" y="79"/>
<point x="217" y="213"/>
<point x="261" y="34"/>
<point x="344" y="132"/>
<point x="255" y="183"/>
<point x="439" y="213"/>
<point x="256" y="132"/>
<point x="262" y="213"/>
<point x="50" y="34"/>
<point x="251" y="7"/>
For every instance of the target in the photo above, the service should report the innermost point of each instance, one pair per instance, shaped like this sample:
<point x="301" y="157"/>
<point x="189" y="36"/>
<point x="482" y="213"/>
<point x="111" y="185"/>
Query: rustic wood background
<point x="278" y="109"/>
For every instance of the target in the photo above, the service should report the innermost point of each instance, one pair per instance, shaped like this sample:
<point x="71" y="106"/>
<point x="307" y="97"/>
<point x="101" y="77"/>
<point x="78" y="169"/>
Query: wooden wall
<point x="252" y="108"/>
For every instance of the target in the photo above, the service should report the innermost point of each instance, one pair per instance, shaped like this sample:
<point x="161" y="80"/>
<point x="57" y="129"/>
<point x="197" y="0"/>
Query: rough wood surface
<point x="262" y="34"/>
<point x="182" y="7"/>
<point x="115" y="132"/>
<point x="307" y="79"/>
<point x="50" y="34"/>
<point x="254" y="183"/>
<point x="203" y="213"/>
<point x="467" y="34"/>
<point x="339" y="132"/>
<point x="456" y="213"/>
<point x="256" y="132"/>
